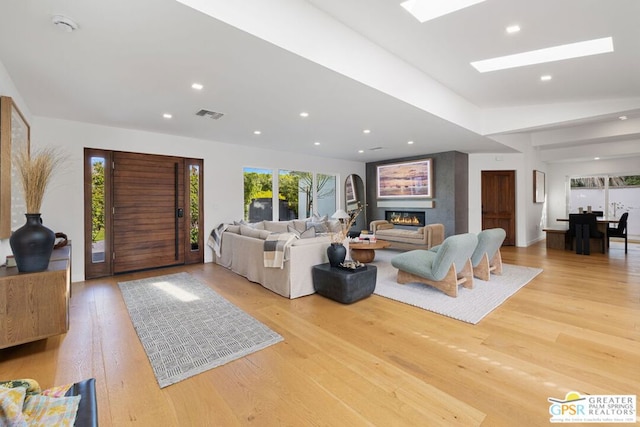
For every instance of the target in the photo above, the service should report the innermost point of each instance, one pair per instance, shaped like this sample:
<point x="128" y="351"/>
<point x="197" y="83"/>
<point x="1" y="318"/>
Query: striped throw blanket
<point x="215" y="238"/>
<point x="275" y="246"/>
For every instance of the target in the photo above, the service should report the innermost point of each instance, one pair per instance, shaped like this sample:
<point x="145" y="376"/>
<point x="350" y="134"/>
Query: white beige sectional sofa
<point x="421" y="238"/>
<point x="242" y="251"/>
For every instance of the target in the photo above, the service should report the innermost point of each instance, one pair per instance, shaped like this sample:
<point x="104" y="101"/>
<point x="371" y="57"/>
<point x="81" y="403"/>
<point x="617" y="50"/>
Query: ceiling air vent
<point x="376" y="148"/>
<point x="209" y="114"/>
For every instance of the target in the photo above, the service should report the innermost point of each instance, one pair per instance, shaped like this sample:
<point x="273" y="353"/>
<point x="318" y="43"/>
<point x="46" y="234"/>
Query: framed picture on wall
<point x="538" y="187"/>
<point x="406" y="180"/>
<point x="350" y="190"/>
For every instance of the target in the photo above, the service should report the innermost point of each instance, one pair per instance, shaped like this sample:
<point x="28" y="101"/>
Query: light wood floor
<point x="375" y="362"/>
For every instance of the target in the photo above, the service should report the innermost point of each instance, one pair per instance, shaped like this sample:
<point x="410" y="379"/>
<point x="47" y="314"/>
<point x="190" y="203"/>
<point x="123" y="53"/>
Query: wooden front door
<point x="499" y="202"/>
<point x="148" y="211"/>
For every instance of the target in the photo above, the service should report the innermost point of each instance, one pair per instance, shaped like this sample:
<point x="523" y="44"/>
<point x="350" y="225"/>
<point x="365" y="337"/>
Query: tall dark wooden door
<point x="499" y="202"/>
<point x="148" y="211"/>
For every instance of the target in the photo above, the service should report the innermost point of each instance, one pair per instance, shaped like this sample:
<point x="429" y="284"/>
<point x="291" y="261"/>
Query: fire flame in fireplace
<point x="405" y="220"/>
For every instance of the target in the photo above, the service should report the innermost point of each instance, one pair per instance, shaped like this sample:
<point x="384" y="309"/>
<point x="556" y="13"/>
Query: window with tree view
<point x="296" y="193"/>
<point x="258" y="194"/>
<point x="194" y="206"/>
<point x="97" y="209"/>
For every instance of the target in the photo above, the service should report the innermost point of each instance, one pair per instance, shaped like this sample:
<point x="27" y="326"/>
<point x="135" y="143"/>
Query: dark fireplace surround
<point x="406" y="218"/>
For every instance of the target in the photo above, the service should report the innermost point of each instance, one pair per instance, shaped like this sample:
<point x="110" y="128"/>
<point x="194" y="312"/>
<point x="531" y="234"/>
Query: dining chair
<point x="584" y="227"/>
<point x="619" y="231"/>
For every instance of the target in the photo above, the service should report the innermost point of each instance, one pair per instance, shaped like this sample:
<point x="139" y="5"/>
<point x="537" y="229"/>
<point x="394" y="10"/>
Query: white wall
<point x="559" y="172"/>
<point x="63" y="206"/>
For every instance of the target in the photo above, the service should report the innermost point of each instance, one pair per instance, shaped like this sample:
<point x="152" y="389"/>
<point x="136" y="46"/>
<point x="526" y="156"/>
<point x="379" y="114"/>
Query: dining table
<point x="603" y="223"/>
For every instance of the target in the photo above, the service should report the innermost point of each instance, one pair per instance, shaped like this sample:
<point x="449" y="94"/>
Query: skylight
<point x="550" y="54"/>
<point x="425" y="10"/>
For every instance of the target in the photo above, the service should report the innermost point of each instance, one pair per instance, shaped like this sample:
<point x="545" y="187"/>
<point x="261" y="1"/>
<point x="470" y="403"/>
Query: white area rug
<point x="470" y="306"/>
<point x="187" y="328"/>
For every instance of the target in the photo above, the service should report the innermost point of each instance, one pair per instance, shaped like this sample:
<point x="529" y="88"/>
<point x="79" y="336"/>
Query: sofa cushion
<point x="233" y="229"/>
<point x="276" y="226"/>
<point x="252" y="232"/>
<point x="401" y="235"/>
<point x="257" y="225"/>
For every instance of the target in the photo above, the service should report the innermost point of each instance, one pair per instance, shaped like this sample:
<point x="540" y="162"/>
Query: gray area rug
<point x="187" y="328"/>
<point x="470" y="306"/>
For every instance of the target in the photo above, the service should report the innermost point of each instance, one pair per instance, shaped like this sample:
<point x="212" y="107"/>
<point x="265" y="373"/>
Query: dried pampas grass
<point x="35" y="171"/>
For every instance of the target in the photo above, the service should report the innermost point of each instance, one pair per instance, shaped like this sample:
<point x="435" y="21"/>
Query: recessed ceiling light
<point x="316" y="143"/>
<point x="511" y="29"/>
<point x="304" y="114"/>
<point x="550" y="54"/>
<point x="425" y="10"/>
<point x="167" y="115"/>
<point x="360" y="151"/>
<point x="257" y="132"/>
<point x="366" y="131"/>
<point x="197" y="86"/>
<point x="596" y="158"/>
<point x="409" y="142"/>
<point x="623" y="117"/>
<point x="545" y="78"/>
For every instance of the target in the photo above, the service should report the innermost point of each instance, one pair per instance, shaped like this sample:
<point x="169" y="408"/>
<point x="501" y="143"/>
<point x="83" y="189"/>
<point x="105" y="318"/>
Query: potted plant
<point x="32" y="243"/>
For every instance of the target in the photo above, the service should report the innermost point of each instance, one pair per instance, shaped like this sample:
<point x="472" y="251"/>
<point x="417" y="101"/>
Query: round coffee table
<point x="366" y="252"/>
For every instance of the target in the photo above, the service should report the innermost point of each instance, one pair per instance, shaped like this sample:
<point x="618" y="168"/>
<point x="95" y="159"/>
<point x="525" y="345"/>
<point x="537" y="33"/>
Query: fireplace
<point x="409" y="218"/>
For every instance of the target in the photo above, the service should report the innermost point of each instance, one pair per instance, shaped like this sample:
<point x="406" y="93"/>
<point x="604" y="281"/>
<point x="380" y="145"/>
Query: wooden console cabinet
<point x="34" y="306"/>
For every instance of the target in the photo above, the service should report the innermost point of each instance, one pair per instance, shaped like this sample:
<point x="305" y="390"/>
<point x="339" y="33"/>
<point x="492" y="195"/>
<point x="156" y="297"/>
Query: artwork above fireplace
<point x="407" y="218"/>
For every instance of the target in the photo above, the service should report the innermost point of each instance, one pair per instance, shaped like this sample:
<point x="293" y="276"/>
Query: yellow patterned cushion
<point x="11" y="400"/>
<point x="57" y="391"/>
<point x="31" y="385"/>
<point x="44" y="411"/>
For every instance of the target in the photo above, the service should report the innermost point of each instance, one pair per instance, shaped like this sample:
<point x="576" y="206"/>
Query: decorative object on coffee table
<point x="32" y="244"/>
<point x="366" y="252"/>
<point x="342" y="285"/>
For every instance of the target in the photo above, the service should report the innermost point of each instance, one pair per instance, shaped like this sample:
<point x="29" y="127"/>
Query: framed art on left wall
<point x="14" y="137"/>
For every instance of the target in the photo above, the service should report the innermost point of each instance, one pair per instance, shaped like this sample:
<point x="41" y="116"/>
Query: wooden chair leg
<point x="465" y="277"/>
<point x="496" y="263"/>
<point x="448" y="285"/>
<point x="482" y="270"/>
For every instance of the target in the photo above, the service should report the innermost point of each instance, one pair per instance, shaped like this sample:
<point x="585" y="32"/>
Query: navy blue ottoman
<point x="343" y="285"/>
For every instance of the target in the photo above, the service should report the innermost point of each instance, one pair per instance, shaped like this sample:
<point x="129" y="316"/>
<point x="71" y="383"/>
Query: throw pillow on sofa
<point x="307" y="234"/>
<point x="320" y="227"/>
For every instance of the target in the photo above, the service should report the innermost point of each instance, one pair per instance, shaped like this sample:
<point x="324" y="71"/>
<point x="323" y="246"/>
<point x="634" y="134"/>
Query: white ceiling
<point x="352" y="64"/>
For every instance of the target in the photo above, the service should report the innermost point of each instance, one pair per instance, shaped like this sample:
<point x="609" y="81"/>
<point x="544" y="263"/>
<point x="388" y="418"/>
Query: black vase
<point x="32" y="245"/>
<point x="336" y="253"/>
